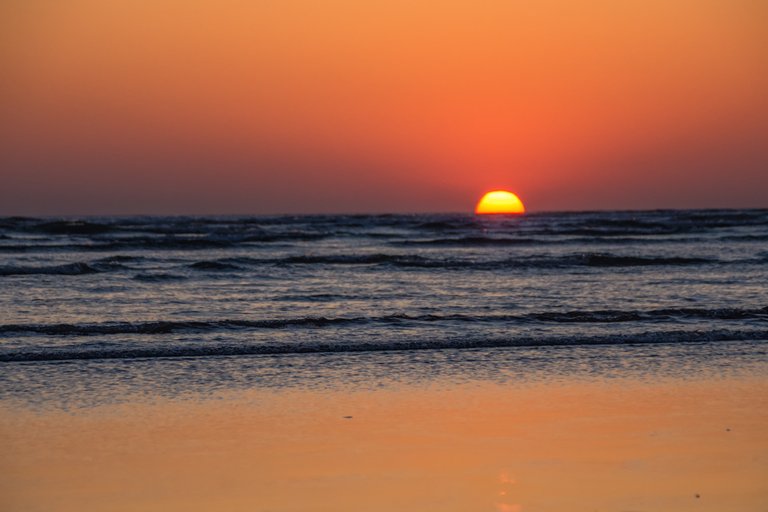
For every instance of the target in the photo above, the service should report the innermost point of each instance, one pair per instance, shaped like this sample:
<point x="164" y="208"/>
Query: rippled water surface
<point x="138" y="289"/>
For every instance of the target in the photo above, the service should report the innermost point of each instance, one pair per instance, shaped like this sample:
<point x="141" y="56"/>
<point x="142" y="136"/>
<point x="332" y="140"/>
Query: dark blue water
<point x="131" y="290"/>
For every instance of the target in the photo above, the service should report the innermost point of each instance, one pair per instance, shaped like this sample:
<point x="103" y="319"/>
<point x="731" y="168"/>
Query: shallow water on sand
<point x="548" y="445"/>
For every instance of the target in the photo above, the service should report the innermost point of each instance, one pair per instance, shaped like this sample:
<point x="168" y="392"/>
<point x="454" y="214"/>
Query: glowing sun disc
<point x="499" y="201"/>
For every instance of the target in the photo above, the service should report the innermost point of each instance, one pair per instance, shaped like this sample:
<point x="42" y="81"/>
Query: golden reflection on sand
<point x="624" y="445"/>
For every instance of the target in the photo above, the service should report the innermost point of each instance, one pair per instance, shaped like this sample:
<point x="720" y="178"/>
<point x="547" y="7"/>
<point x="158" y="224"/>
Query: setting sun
<point x="500" y="201"/>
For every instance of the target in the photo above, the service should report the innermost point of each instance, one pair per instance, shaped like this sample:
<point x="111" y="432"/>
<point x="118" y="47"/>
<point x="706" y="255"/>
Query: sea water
<point x="100" y="308"/>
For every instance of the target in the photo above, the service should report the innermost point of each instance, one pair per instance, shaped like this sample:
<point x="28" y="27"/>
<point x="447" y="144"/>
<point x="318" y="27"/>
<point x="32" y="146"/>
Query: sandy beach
<point x="599" y="444"/>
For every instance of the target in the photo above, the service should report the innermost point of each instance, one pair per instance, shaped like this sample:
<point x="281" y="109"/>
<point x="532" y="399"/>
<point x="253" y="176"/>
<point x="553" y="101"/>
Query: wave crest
<point x="309" y="347"/>
<point x="599" y="316"/>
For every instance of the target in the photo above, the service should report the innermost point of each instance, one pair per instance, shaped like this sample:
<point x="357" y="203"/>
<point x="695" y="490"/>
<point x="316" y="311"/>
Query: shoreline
<point x="83" y="384"/>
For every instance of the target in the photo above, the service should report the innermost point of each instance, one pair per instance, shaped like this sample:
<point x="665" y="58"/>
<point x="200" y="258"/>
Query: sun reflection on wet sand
<point x="506" y="482"/>
<point x="622" y="445"/>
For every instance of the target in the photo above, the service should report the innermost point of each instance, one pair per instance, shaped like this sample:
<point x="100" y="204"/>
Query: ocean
<point x="99" y="308"/>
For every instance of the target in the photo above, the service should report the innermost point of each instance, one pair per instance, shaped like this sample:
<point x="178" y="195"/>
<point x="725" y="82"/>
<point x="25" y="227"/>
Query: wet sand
<point x="619" y="444"/>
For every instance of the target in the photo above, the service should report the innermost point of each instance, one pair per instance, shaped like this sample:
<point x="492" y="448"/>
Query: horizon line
<point x="373" y="214"/>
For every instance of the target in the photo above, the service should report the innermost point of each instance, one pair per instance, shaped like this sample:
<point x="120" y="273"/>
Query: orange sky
<point x="235" y="106"/>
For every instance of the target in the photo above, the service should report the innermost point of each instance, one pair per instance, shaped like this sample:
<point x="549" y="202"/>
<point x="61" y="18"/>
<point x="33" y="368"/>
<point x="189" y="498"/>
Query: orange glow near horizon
<point x="499" y="201"/>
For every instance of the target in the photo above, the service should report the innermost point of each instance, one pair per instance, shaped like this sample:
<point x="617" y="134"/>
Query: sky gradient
<point x="301" y="106"/>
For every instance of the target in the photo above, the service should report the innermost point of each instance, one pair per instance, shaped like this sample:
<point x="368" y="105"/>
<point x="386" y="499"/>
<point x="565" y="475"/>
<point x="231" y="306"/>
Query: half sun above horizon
<point x="499" y="201"/>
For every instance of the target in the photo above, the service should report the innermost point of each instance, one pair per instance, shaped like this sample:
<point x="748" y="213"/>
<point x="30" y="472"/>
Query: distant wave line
<point x="599" y="260"/>
<point x="168" y="327"/>
<point x="65" y="354"/>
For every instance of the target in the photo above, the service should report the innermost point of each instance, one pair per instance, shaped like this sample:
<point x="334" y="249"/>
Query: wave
<point x="240" y="263"/>
<point x="168" y="327"/>
<point x="78" y="268"/>
<point x="158" y="278"/>
<point x="473" y="241"/>
<point x="404" y="260"/>
<point x="724" y="218"/>
<point x="488" y="241"/>
<point x="745" y="238"/>
<point x="452" y="223"/>
<point x="319" y="297"/>
<point x="120" y="258"/>
<point x="213" y="266"/>
<point x="604" y="260"/>
<point x="170" y="243"/>
<point x="69" y="269"/>
<point x="72" y="227"/>
<point x="418" y="261"/>
<point x="610" y="316"/>
<point x="601" y="224"/>
<point x="134" y="244"/>
<point x="309" y="347"/>
<point x="610" y="260"/>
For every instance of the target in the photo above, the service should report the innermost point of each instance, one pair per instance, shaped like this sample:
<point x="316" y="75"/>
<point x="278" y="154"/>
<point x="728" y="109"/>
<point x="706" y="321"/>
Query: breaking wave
<point x="418" y="261"/>
<point x="69" y="269"/>
<point x="242" y="264"/>
<point x="85" y="352"/>
<point x="167" y="327"/>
